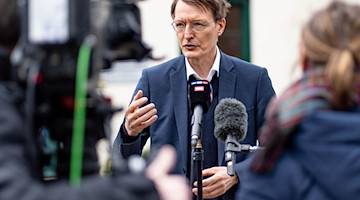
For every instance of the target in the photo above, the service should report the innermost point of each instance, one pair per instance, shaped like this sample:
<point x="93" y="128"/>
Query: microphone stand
<point x="197" y="152"/>
<point x="198" y="158"/>
<point x="231" y="148"/>
<point x="200" y="100"/>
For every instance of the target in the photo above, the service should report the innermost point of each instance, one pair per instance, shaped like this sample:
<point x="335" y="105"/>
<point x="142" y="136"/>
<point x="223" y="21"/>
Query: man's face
<point x="195" y="43"/>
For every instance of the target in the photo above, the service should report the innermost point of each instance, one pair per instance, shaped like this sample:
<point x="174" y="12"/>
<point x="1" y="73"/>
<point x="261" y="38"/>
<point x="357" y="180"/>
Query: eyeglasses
<point x="197" y="27"/>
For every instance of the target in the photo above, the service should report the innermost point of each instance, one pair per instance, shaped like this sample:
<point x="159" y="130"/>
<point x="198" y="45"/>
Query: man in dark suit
<point x="166" y="119"/>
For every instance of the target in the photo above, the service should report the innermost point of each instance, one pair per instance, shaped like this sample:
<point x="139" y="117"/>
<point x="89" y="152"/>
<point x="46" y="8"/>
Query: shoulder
<point x="11" y="99"/>
<point x="286" y="171"/>
<point x="245" y="71"/>
<point x="332" y="123"/>
<point x="11" y="93"/>
<point x="169" y="65"/>
<point x="240" y="64"/>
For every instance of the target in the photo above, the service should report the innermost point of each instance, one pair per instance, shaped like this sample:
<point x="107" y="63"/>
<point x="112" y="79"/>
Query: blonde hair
<point x="332" y="39"/>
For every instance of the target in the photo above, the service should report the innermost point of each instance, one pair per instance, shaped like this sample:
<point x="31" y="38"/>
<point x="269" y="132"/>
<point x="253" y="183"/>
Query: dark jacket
<point x="165" y="85"/>
<point x="322" y="162"/>
<point x="20" y="170"/>
<point x="5" y="66"/>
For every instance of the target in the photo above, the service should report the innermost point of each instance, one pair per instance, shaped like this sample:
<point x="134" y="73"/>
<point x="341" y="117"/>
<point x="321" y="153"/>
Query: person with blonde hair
<point x="311" y="132"/>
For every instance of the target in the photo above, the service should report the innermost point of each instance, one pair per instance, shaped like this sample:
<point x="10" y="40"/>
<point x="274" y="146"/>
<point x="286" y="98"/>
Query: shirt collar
<point x="215" y="68"/>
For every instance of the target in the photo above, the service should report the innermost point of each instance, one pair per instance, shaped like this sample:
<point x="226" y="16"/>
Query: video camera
<point x="65" y="44"/>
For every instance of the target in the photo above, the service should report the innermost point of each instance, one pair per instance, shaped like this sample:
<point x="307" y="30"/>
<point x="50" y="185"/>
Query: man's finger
<point x="138" y="95"/>
<point x="209" y="171"/>
<point x="136" y="104"/>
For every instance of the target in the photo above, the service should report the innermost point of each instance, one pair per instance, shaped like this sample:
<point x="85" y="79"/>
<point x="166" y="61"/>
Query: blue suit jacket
<point x="166" y="86"/>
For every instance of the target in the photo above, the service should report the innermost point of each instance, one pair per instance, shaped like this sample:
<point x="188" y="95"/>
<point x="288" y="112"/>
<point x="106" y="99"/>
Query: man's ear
<point x="222" y="24"/>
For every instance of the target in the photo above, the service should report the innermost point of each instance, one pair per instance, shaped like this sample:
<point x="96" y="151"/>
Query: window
<point x="235" y="40"/>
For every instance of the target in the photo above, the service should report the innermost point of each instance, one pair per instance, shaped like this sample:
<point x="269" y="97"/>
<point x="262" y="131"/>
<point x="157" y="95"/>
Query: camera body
<point x="55" y="35"/>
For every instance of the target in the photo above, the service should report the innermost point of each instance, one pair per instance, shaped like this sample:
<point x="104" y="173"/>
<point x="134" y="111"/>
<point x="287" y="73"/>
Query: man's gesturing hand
<point x="137" y="117"/>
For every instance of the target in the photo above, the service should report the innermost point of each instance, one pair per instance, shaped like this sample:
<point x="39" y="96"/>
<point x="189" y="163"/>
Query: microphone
<point x="230" y="127"/>
<point x="200" y="100"/>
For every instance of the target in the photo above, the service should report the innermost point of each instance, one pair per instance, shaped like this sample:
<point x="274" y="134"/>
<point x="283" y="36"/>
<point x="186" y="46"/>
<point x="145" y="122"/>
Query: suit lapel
<point x="227" y="82"/>
<point x="178" y="83"/>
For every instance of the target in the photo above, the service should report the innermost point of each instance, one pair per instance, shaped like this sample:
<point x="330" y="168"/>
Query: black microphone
<point x="200" y="100"/>
<point x="230" y="127"/>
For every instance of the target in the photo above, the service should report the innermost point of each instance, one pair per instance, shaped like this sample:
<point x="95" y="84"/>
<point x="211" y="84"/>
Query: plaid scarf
<point x="284" y="115"/>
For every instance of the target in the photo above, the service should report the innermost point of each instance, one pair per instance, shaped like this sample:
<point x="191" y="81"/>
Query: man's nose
<point x="188" y="32"/>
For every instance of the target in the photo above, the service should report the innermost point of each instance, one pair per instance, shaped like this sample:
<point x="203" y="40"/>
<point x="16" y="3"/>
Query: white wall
<point x="157" y="31"/>
<point x="275" y="33"/>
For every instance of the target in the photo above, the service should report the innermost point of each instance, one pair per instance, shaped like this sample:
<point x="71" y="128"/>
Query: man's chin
<point x="191" y="55"/>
